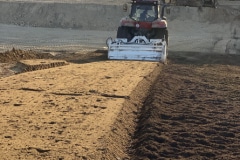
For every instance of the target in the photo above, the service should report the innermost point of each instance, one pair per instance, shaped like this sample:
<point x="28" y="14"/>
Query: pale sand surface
<point x="66" y="111"/>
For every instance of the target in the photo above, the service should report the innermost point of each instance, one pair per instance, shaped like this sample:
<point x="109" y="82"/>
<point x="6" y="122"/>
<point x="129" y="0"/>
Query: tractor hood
<point x="158" y="23"/>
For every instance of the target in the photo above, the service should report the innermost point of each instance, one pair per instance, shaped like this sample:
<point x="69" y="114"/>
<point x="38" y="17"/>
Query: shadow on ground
<point x="197" y="58"/>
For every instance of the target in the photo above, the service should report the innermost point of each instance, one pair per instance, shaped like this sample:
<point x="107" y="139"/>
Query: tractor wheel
<point x="214" y="3"/>
<point x="162" y="33"/>
<point x="122" y="32"/>
<point x="166" y="35"/>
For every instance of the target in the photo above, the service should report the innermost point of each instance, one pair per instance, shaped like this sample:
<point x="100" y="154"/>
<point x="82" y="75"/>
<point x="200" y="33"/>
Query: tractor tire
<point x="214" y="3"/>
<point x="162" y="33"/>
<point x="123" y="32"/>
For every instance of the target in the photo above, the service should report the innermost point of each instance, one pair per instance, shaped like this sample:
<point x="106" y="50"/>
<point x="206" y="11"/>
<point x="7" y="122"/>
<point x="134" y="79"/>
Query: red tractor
<point x="143" y="35"/>
<point x="146" y="19"/>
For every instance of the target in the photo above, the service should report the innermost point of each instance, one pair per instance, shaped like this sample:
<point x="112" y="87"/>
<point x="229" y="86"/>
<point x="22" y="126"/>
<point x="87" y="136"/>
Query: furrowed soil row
<point x="192" y="111"/>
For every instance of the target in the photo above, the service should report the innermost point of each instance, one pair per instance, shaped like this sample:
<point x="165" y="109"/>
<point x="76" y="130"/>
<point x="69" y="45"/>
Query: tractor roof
<point x="146" y="1"/>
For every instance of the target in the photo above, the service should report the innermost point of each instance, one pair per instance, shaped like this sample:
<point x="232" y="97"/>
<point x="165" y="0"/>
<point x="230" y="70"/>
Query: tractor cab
<point x="144" y="12"/>
<point x="210" y="3"/>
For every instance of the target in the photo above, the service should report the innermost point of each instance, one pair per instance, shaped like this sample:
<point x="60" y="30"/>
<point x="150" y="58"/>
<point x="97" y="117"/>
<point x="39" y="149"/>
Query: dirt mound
<point x="18" y="61"/>
<point x="16" y="54"/>
<point x="192" y="111"/>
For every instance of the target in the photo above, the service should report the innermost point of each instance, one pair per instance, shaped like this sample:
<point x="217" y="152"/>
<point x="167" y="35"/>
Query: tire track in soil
<point x="192" y="111"/>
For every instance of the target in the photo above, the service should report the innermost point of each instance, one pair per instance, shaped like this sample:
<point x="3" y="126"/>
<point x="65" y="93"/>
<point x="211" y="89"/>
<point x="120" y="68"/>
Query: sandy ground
<point x="66" y="112"/>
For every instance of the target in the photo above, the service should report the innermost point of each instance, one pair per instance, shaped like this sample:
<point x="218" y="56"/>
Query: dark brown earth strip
<point x="192" y="111"/>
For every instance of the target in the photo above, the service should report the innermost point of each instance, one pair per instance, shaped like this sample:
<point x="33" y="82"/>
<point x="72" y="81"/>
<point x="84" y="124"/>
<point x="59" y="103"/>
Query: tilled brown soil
<point x="192" y="111"/>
